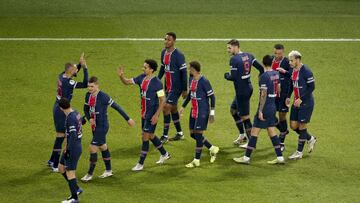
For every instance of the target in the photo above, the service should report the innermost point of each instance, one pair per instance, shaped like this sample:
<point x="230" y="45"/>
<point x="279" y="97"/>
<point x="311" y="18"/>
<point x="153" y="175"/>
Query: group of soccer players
<point x="279" y="76"/>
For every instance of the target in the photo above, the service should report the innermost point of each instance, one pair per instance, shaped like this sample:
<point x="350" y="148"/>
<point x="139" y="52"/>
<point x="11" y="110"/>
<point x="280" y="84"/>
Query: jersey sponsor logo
<point x="72" y="82"/>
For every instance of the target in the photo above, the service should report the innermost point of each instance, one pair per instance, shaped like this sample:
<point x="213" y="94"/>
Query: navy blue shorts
<point x="280" y="104"/>
<point x="242" y="104"/>
<point x="99" y="136"/>
<point x="71" y="163"/>
<point x="172" y="97"/>
<point x="270" y="120"/>
<point x="59" y="118"/>
<point x="147" y="126"/>
<point x="302" y="115"/>
<point x="199" y="123"/>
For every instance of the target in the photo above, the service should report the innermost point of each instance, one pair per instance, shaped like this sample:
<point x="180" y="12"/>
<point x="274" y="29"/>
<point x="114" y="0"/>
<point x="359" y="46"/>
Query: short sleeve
<point x="137" y="80"/>
<point x="263" y="82"/>
<point x="208" y="89"/>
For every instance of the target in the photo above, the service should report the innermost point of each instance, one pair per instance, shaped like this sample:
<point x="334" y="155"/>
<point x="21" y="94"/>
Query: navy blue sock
<point x="144" y="151"/>
<point x="276" y="143"/>
<point x="302" y="140"/>
<point x="93" y="160"/>
<point x="65" y="176"/>
<point x="248" y="126"/>
<point x="199" y="145"/>
<point x="193" y="136"/>
<point x="73" y="188"/>
<point x="308" y="136"/>
<point x="284" y="126"/>
<point x="207" y="143"/>
<point x="107" y="160"/>
<point x="167" y="119"/>
<point x="251" y="146"/>
<point x="156" y="142"/>
<point x="297" y="131"/>
<point x="57" y="150"/>
<point x="176" y="119"/>
<point x="283" y="131"/>
<point x="239" y="123"/>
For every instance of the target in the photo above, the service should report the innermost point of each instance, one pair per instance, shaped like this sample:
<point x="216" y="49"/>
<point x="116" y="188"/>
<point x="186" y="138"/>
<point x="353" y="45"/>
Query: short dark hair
<point x="93" y="79"/>
<point x="196" y="65"/>
<point x="234" y="42"/>
<point x="279" y="46"/>
<point x="152" y="64"/>
<point x="267" y="60"/>
<point x="68" y="66"/>
<point x="64" y="103"/>
<point x="172" y="34"/>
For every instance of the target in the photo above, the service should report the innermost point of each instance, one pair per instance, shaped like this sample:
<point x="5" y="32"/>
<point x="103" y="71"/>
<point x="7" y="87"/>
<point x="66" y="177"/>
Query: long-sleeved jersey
<point x="96" y="108"/>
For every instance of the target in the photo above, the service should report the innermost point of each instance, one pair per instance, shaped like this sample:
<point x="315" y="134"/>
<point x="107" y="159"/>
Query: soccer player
<point x="95" y="108"/>
<point x="174" y="67"/>
<point x="240" y="67"/>
<point x="73" y="149"/>
<point x="303" y="84"/>
<point x="152" y="103"/>
<point x="279" y="60"/>
<point x="65" y="88"/>
<point x="200" y="93"/>
<point x="265" y="117"/>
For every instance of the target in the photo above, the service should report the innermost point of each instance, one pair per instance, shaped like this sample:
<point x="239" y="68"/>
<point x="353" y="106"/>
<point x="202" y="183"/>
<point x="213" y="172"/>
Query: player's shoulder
<point x="178" y="52"/>
<point x="305" y="69"/>
<point x="204" y="79"/>
<point x="156" y="80"/>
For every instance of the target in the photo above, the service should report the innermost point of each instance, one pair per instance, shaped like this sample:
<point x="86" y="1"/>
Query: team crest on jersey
<point x="244" y="58"/>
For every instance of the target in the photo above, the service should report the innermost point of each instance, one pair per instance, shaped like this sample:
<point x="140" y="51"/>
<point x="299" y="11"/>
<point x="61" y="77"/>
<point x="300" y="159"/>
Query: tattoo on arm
<point x="263" y="95"/>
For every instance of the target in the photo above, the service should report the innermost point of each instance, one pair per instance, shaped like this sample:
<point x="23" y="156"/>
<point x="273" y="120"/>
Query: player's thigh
<point x="201" y="122"/>
<point x="243" y="104"/>
<point x="148" y="127"/>
<point x="271" y="131"/>
<point x="305" y="114"/>
<point x="173" y="97"/>
<point x="59" y="119"/>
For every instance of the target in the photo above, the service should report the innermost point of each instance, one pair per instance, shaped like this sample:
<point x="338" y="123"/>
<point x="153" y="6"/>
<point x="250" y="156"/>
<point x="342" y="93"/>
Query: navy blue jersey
<point x="150" y="89"/>
<point x="66" y="86"/>
<point x="240" y="68"/>
<point x="303" y="84"/>
<point x="73" y="131"/>
<point x="200" y="91"/>
<point x="96" y="108"/>
<point x="284" y="81"/>
<point x="173" y="65"/>
<point x="269" y="81"/>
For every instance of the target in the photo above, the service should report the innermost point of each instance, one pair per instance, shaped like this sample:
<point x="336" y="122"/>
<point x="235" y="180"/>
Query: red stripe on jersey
<point x="275" y="64"/>
<point x="144" y="87"/>
<point x="59" y="90"/>
<point x="295" y="80"/>
<point x="167" y="71"/>
<point x="92" y="104"/>
<point x="194" y="102"/>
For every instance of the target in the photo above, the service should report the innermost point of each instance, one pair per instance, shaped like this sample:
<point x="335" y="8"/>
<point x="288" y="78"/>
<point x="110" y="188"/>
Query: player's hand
<point x="184" y="94"/>
<point x="82" y="60"/>
<point x="297" y="102"/>
<point x="120" y="71"/>
<point x="261" y="116"/>
<point x="66" y="154"/>
<point x="181" y="111"/>
<point x="211" y="119"/>
<point x="83" y="120"/>
<point x="131" y="122"/>
<point x="287" y="102"/>
<point x="281" y="70"/>
<point x="154" y="119"/>
<point x="226" y="75"/>
<point x="92" y="121"/>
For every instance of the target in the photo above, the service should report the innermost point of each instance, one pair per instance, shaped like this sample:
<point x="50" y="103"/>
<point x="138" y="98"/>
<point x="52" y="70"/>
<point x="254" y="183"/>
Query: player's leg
<point x="251" y="144"/>
<point x="239" y="124"/>
<point x="276" y="143"/>
<point x="294" y="124"/>
<point x="243" y="103"/>
<point x="305" y="116"/>
<point x="143" y="153"/>
<point x="92" y="162"/>
<point x="59" y="122"/>
<point x="149" y="129"/>
<point x="176" y="119"/>
<point x="283" y="128"/>
<point x="73" y="186"/>
<point x="107" y="161"/>
<point x="167" y="119"/>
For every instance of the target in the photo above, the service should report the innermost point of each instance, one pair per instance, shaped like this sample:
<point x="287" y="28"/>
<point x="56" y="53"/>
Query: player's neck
<point x="299" y="66"/>
<point x="68" y="75"/>
<point x="197" y="76"/>
<point x="267" y="68"/>
<point x="170" y="49"/>
<point x="95" y="93"/>
<point x="68" y="111"/>
<point x="150" y="75"/>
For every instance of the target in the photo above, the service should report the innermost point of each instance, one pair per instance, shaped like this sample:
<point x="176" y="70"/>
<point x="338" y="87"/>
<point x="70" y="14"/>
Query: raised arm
<point x="123" y="79"/>
<point x="84" y="83"/>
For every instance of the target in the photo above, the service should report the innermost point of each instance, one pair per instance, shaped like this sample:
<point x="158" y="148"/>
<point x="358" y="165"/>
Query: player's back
<point x="270" y="81"/>
<point x="65" y="87"/>
<point x="74" y="124"/>
<point x="240" y="66"/>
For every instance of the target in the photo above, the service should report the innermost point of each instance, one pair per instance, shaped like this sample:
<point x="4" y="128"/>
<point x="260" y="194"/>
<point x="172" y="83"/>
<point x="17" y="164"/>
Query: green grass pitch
<point x="27" y="91"/>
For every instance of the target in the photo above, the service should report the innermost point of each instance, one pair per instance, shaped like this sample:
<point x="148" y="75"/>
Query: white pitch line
<point x="188" y="39"/>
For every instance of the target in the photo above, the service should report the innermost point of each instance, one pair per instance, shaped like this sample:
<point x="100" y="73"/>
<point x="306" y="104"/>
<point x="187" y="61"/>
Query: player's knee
<point x="93" y="148"/>
<point x="302" y="126"/>
<point x="70" y="174"/>
<point x="103" y="147"/>
<point x="61" y="168"/>
<point x="294" y="125"/>
<point x="59" y="134"/>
